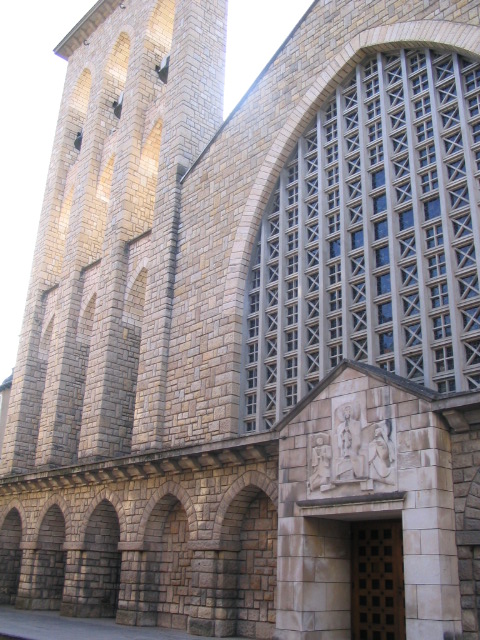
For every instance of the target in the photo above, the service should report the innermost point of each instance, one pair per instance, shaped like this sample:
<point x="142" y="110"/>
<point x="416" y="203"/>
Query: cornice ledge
<point x="232" y="451"/>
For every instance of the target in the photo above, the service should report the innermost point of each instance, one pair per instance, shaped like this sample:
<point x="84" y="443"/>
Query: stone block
<point x="201" y="627"/>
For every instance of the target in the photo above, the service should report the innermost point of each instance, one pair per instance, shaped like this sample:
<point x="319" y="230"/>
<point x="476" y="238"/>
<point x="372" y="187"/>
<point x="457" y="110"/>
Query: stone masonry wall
<point x="224" y="195"/>
<point x="257" y="570"/>
<point x="103" y="194"/>
<point x="170" y="523"/>
<point x="10" y="557"/>
<point x="314" y="545"/>
<point x="466" y="464"/>
<point x="199" y="252"/>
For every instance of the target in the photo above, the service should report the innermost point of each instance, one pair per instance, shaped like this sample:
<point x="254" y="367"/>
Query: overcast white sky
<point x="32" y="83"/>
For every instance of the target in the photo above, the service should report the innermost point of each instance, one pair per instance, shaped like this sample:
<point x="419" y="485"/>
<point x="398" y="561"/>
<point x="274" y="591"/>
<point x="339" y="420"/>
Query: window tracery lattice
<point x="367" y="249"/>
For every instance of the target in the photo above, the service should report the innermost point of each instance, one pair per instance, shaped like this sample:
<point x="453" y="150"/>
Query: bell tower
<point x="143" y="97"/>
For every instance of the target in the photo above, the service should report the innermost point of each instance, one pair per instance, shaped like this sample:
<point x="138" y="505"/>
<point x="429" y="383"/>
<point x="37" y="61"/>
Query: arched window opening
<point x="159" y="37"/>
<point x="78" y="109"/>
<point x="115" y="79"/>
<point x="367" y="249"/>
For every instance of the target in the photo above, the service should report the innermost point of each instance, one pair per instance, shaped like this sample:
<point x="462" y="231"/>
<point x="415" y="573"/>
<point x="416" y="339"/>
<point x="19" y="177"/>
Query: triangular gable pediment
<point x="358" y="427"/>
<point x="339" y="380"/>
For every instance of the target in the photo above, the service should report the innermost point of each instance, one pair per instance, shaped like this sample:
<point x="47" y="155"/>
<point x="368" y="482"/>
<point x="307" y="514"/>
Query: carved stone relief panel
<point x="355" y="456"/>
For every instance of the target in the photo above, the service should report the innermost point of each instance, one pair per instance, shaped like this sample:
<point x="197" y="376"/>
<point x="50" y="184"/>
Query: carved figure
<point x="351" y="463"/>
<point x="382" y="453"/>
<point x="321" y="462"/>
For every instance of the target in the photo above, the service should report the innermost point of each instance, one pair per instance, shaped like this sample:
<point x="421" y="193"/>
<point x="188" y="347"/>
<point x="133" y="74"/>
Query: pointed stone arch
<point x="245" y="530"/>
<point x="86" y="318"/>
<point x="79" y="101"/>
<point x="160" y="28"/>
<point x="48" y="571"/>
<point x="117" y="61"/>
<point x="80" y="96"/>
<point x="115" y="73"/>
<point x="105" y="496"/>
<point x="14" y="504"/>
<point x="251" y="483"/>
<point x="166" y="529"/>
<point x="11" y="532"/>
<point x="65" y="509"/>
<point x="179" y="494"/>
<point x="135" y="295"/>
<point x="100" y="561"/>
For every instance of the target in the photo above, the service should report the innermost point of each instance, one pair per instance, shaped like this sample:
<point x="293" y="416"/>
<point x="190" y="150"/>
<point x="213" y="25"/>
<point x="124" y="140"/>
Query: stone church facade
<point x="246" y="398"/>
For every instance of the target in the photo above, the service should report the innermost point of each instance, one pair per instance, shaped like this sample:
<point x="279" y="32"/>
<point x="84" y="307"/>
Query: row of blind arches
<point x="367" y="249"/>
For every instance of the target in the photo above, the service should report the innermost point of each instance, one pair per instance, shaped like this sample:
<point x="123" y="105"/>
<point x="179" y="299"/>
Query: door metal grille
<point x="378" y="609"/>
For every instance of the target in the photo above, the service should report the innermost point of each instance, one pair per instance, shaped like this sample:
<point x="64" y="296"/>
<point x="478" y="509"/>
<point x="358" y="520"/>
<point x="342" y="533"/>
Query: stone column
<point x="214" y="584"/>
<point x="73" y="581"/>
<point x="59" y="422"/>
<point x="313" y="578"/>
<point x="129" y="597"/>
<point x="432" y="591"/>
<point x="24" y="598"/>
<point x="432" y="586"/>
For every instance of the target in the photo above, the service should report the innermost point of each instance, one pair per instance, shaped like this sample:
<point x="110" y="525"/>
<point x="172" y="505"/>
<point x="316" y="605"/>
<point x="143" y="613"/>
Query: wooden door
<point x="378" y="602"/>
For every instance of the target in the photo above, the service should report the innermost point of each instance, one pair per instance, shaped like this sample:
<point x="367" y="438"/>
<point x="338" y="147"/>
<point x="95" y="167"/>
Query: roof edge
<point x="85" y="27"/>
<point x="7" y="383"/>
<point x="247" y="93"/>
<point x="367" y="369"/>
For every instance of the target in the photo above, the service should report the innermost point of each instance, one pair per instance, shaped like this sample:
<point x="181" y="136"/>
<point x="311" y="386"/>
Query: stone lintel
<point x="351" y="507"/>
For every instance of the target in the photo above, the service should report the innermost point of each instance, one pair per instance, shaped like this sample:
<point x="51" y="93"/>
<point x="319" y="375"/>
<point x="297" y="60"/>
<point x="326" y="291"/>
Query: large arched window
<point x="367" y="249"/>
